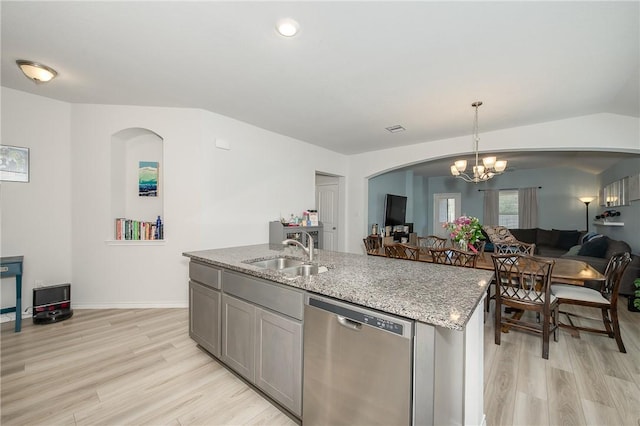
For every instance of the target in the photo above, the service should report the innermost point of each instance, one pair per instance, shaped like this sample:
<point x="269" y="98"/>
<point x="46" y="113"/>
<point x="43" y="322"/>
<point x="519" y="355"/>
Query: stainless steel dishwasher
<point x="357" y="365"/>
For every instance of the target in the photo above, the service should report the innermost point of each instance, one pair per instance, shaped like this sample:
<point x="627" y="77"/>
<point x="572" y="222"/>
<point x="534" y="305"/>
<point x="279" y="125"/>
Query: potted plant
<point x="634" y="299"/>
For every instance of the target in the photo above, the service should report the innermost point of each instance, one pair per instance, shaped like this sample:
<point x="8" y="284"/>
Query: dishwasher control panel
<point x="365" y="317"/>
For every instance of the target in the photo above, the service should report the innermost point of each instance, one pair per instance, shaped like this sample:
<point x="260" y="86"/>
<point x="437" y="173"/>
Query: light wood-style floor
<point x="139" y="366"/>
<point x="585" y="381"/>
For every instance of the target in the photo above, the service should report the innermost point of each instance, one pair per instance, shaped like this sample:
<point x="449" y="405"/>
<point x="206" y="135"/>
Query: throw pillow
<point x="590" y="236"/>
<point x="499" y="234"/>
<point x="573" y="251"/>
<point x="594" y="248"/>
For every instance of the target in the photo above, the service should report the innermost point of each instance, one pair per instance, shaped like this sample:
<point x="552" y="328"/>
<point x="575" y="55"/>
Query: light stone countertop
<point x="440" y="295"/>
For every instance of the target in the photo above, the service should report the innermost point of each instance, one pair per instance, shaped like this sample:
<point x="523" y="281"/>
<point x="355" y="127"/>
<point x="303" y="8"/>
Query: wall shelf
<point x="608" y="223"/>
<point x="135" y="242"/>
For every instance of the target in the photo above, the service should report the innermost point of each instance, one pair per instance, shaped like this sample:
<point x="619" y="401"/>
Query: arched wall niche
<point x="130" y="147"/>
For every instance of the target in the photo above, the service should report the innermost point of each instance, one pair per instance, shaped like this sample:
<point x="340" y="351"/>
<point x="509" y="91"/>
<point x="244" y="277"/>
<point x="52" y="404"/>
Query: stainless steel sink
<point x="303" y="270"/>
<point x="277" y="264"/>
<point x="290" y="267"/>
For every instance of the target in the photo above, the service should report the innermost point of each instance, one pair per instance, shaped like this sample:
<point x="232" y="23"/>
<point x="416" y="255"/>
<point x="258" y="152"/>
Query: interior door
<point x="328" y="206"/>
<point x="446" y="208"/>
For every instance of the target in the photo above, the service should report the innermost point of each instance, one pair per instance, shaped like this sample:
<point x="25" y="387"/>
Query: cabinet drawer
<point x="205" y="274"/>
<point x="286" y="301"/>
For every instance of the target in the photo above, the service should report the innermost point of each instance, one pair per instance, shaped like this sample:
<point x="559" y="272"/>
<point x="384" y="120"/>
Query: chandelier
<point x="490" y="166"/>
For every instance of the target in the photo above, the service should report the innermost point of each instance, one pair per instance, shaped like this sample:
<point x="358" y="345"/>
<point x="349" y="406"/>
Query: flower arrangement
<point x="465" y="230"/>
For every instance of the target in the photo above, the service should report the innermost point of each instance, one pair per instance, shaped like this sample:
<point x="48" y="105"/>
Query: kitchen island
<point x="442" y="301"/>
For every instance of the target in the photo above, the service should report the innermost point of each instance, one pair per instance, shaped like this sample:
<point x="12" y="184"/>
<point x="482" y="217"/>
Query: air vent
<point x="395" y="129"/>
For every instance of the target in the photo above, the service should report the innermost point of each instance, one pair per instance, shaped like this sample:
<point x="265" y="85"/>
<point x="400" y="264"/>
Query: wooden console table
<point x="12" y="267"/>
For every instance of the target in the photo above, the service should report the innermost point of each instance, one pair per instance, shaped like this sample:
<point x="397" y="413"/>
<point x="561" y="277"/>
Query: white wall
<point x="605" y="132"/>
<point x="213" y="198"/>
<point x="36" y="216"/>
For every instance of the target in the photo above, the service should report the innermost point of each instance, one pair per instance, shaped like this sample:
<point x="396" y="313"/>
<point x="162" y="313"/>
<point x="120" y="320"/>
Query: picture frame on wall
<point x="14" y="163"/>
<point x="148" y="179"/>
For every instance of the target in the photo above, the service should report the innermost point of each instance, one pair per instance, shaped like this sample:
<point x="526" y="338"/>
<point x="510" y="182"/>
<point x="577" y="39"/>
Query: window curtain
<point x="491" y="214"/>
<point x="528" y="208"/>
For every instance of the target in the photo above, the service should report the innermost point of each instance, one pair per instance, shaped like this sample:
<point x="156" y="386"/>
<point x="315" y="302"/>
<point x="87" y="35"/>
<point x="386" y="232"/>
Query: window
<point x="508" y="209"/>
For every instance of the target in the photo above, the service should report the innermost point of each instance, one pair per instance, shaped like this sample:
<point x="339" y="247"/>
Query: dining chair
<point x="605" y="299"/>
<point x="401" y="251"/>
<point x="372" y="244"/>
<point x="510" y="247"/>
<point x="523" y="282"/>
<point x="429" y="242"/>
<point x="514" y="247"/>
<point x="453" y="256"/>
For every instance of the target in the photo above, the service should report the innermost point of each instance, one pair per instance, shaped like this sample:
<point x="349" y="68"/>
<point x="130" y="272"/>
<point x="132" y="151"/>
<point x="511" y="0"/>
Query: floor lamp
<point x="586" y="201"/>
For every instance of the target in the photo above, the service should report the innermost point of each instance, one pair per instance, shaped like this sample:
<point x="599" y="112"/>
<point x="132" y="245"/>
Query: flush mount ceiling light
<point x="287" y="27"/>
<point x="490" y="165"/>
<point x="37" y="72"/>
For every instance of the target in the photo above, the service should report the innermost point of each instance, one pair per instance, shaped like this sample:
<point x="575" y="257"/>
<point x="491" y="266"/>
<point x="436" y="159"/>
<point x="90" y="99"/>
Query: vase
<point x="463" y="245"/>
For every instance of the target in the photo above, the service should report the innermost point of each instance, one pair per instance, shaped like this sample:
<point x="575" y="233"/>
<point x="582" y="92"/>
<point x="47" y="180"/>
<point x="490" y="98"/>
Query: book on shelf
<point x="137" y="230"/>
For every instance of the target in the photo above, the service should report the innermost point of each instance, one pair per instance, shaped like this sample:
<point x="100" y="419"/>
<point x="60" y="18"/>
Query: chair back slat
<point x="522" y="278"/>
<point x="452" y="256"/>
<point x="514" y="247"/>
<point x="616" y="266"/>
<point x="372" y="244"/>
<point x="401" y="251"/>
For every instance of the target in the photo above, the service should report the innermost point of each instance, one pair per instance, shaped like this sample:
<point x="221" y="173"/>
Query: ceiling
<point x="353" y="69"/>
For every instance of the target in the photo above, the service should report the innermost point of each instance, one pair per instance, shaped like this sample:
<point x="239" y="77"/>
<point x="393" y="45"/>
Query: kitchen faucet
<point x="308" y="250"/>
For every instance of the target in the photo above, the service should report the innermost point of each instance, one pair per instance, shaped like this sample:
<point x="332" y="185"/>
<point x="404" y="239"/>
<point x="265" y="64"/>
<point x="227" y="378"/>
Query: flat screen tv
<point x="395" y="209"/>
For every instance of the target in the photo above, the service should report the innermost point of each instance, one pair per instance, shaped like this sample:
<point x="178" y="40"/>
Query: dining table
<point x="566" y="271"/>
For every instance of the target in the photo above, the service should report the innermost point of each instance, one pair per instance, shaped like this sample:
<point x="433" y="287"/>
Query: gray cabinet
<point x="204" y="306"/>
<point x="278" y="367"/>
<point x="253" y="326"/>
<point x="262" y="336"/>
<point x="238" y="336"/>
<point x="278" y="232"/>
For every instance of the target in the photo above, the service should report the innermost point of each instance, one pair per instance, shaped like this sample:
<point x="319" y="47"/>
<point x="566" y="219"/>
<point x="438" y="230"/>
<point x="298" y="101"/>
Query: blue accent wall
<point x="630" y="214"/>
<point x="559" y="207"/>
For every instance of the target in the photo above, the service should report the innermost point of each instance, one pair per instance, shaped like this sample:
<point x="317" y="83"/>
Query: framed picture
<point x="148" y="179"/>
<point x="14" y="163"/>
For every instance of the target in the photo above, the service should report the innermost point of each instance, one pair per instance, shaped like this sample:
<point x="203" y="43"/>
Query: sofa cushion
<point x="594" y="248"/>
<point x="524" y="235"/>
<point x="567" y="239"/>
<point x="548" y="238"/>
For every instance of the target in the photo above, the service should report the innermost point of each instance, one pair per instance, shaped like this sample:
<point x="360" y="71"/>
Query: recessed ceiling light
<point x="395" y="129"/>
<point x="287" y="27"/>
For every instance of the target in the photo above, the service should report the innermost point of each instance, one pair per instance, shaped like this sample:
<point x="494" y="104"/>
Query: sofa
<point x="592" y="248"/>
<point x="549" y="243"/>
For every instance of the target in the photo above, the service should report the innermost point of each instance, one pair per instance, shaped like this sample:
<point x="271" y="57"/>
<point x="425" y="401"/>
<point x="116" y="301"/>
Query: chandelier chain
<point x="481" y="172"/>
